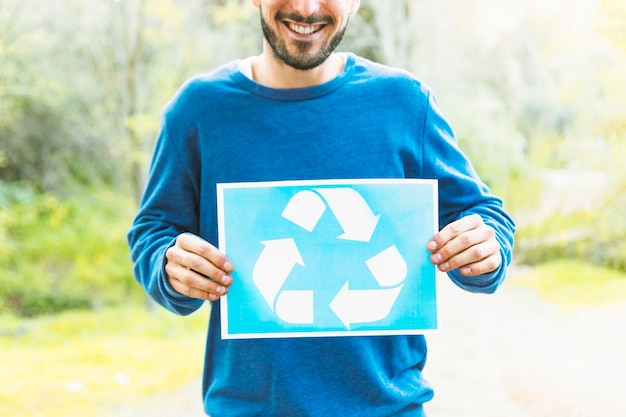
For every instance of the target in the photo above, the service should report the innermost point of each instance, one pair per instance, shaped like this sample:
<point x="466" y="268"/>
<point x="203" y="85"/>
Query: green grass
<point x="574" y="284"/>
<point x="76" y="363"/>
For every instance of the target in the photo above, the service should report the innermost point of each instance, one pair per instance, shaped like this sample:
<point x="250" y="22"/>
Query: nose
<point x="306" y="7"/>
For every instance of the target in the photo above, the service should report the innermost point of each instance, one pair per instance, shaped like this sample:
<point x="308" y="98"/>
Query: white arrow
<point x="352" y="212"/>
<point x="274" y="266"/>
<point x="363" y="306"/>
<point x="295" y="307"/>
<point x="305" y="209"/>
<point x="388" y="267"/>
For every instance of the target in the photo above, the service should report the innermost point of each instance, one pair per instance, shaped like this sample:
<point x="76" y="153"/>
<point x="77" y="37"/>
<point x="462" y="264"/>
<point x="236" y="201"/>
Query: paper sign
<point x="328" y="258"/>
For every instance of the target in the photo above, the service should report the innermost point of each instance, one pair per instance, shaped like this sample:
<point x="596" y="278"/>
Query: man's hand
<point x="467" y="243"/>
<point x="197" y="269"/>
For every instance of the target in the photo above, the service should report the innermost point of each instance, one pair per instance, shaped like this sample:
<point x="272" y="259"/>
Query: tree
<point x="151" y="47"/>
<point x="91" y="115"/>
<point x="39" y="141"/>
<point x="614" y="29"/>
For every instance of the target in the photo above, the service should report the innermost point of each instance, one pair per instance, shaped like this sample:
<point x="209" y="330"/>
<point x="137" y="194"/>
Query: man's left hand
<point x="468" y="244"/>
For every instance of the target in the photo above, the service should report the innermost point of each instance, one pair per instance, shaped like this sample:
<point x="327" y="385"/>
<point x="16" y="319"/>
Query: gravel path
<point x="504" y="355"/>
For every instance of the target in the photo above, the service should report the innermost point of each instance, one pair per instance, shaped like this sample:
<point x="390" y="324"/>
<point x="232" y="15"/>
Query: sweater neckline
<point x="292" y="94"/>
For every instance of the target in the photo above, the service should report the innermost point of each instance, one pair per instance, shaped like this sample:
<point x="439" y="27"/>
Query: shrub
<point x="597" y="236"/>
<point x="63" y="254"/>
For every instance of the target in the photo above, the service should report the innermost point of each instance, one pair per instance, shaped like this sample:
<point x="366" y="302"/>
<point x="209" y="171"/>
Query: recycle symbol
<point x="279" y="257"/>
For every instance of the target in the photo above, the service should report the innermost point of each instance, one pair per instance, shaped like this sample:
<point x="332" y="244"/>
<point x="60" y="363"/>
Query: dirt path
<point x="514" y="355"/>
<point x="505" y="355"/>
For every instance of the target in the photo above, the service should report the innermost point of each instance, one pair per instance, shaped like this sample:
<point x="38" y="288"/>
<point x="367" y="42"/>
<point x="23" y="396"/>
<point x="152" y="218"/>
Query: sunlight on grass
<point x="77" y="363"/>
<point x="574" y="283"/>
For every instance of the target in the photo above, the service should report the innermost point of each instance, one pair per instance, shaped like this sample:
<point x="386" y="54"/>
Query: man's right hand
<point x="197" y="269"/>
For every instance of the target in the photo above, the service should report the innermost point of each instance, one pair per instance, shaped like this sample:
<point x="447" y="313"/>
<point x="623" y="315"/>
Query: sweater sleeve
<point x="168" y="208"/>
<point x="462" y="193"/>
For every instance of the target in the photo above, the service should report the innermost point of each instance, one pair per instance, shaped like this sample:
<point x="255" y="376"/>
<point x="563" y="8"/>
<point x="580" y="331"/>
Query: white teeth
<point x="303" y="30"/>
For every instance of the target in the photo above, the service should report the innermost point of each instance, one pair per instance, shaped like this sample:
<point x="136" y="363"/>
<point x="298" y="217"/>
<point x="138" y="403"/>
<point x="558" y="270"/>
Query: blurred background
<point x="535" y="90"/>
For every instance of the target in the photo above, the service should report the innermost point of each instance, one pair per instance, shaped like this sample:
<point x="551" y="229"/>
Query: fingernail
<point x="444" y="267"/>
<point x="227" y="280"/>
<point x="228" y="266"/>
<point x="221" y="290"/>
<point x="432" y="245"/>
<point x="437" y="258"/>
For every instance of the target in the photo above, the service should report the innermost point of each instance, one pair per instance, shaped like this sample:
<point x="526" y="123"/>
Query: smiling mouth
<point x="302" y="25"/>
<point x="304" y="30"/>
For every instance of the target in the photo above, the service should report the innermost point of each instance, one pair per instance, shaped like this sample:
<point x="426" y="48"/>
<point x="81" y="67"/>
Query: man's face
<point x="304" y="33"/>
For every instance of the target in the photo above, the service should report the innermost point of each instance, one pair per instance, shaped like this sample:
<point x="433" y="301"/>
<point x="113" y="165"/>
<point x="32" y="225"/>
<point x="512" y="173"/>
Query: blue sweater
<point x="369" y="122"/>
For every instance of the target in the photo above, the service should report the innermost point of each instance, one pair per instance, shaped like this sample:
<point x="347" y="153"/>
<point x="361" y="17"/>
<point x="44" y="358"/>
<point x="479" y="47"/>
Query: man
<point x="301" y="111"/>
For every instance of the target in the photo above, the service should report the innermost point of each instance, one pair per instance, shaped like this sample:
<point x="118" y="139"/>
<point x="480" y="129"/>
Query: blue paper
<point x="328" y="258"/>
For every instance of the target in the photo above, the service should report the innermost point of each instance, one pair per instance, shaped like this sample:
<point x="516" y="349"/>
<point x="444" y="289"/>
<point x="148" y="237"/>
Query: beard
<point x="304" y="58"/>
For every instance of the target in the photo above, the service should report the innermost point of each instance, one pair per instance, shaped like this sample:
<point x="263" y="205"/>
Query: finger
<point x="192" y="284"/>
<point x="453" y="230"/>
<point x="480" y="258"/>
<point x="203" y="248"/>
<point x="201" y="267"/>
<point x="200" y="256"/>
<point x="462" y="242"/>
<point x="485" y="266"/>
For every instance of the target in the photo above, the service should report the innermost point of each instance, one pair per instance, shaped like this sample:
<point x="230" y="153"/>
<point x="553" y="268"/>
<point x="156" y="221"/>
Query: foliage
<point x="43" y="124"/>
<point x="85" y="363"/>
<point x="525" y="86"/>
<point x="615" y="22"/>
<point x="61" y="254"/>
<point x="43" y="147"/>
<point x="509" y="82"/>
<point x="81" y="93"/>
<point x="597" y="236"/>
<point x="574" y="283"/>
